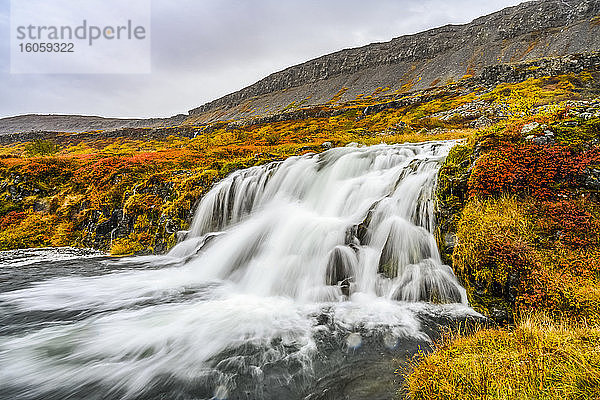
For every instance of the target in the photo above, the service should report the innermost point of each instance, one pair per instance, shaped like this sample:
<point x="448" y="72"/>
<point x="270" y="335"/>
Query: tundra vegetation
<point x="519" y="212"/>
<point x="520" y="223"/>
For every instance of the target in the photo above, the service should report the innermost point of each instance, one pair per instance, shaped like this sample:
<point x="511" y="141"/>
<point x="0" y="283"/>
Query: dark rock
<point x="182" y="235"/>
<point x="39" y="206"/>
<point x="532" y="39"/>
<point x="431" y="289"/>
<point x="362" y="229"/>
<point x="449" y="240"/>
<point x="340" y="268"/>
<point x="106" y="228"/>
<point x="172" y="226"/>
<point x="400" y="126"/>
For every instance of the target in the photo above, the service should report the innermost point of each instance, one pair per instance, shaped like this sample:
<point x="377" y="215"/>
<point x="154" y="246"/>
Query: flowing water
<point x="300" y="279"/>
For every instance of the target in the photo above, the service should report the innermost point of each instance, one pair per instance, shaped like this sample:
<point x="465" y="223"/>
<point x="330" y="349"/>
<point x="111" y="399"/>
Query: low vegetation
<point x="538" y="359"/>
<point x="521" y="200"/>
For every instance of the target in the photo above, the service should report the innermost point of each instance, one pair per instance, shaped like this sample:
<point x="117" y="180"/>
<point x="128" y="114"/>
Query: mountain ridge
<point x="527" y="31"/>
<point x="522" y="33"/>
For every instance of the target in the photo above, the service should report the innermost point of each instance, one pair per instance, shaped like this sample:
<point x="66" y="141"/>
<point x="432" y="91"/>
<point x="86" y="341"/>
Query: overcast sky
<point x="203" y="49"/>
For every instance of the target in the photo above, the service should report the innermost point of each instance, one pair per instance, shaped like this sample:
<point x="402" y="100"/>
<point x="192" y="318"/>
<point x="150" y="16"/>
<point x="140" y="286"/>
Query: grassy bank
<point x="520" y="223"/>
<point x="538" y="359"/>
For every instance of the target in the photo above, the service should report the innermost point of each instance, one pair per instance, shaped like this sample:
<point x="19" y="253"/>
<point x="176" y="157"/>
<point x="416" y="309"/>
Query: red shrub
<point x="530" y="169"/>
<point x="568" y="221"/>
<point x="12" y="218"/>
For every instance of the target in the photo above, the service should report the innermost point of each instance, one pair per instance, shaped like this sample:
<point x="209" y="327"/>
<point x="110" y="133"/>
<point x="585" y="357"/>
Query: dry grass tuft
<point x="538" y="359"/>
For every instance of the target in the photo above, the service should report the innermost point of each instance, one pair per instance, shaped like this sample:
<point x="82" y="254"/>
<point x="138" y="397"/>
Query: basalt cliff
<point x="527" y="32"/>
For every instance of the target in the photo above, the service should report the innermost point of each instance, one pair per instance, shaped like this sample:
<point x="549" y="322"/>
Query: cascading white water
<point x="361" y="217"/>
<point x="346" y="233"/>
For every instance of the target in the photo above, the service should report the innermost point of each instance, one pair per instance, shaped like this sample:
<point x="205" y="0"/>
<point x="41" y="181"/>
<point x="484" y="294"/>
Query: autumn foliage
<point x="530" y="169"/>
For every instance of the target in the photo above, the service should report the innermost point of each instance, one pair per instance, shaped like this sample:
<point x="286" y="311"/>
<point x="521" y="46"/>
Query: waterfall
<point x="291" y="271"/>
<point x="321" y="227"/>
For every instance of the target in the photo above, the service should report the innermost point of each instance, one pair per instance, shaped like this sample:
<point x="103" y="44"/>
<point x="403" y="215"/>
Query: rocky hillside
<point x="529" y="31"/>
<point x="518" y="198"/>
<point x="535" y="30"/>
<point x="77" y="123"/>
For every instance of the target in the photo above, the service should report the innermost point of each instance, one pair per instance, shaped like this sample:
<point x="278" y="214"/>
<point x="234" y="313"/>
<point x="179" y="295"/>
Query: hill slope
<point x="77" y="123"/>
<point x="529" y="31"/>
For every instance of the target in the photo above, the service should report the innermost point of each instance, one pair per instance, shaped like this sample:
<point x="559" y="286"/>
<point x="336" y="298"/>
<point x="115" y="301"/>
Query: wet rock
<point x="323" y="319"/>
<point x="182" y="235"/>
<point x="500" y="316"/>
<point x="404" y="246"/>
<point x="340" y="268"/>
<point x="327" y="145"/>
<point x="351" y="237"/>
<point x="172" y="226"/>
<point x="450" y="240"/>
<point x="107" y="227"/>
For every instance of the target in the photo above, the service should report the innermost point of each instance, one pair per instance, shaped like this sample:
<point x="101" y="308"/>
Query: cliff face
<point x="529" y="31"/>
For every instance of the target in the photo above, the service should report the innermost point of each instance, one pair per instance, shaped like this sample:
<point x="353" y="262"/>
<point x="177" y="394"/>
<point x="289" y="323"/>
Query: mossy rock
<point x="577" y="133"/>
<point x="451" y="195"/>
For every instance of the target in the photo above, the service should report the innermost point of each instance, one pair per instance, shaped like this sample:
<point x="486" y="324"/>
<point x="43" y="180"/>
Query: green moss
<point x="451" y="194"/>
<point x="577" y="136"/>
